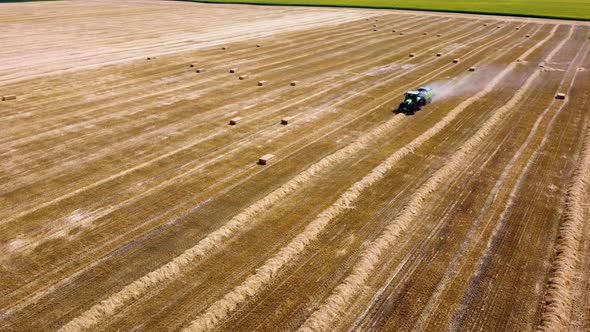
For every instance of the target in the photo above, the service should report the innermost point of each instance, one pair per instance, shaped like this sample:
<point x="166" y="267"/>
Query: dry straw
<point x="322" y="319"/>
<point x="213" y="241"/>
<point x="559" y="297"/>
<point x="343" y="294"/>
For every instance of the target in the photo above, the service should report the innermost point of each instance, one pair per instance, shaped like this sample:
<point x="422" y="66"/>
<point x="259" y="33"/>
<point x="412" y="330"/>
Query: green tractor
<point x="415" y="100"/>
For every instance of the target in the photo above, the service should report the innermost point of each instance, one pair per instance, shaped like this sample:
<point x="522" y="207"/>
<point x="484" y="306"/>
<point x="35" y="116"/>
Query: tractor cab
<point x="425" y="92"/>
<point x="412" y="96"/>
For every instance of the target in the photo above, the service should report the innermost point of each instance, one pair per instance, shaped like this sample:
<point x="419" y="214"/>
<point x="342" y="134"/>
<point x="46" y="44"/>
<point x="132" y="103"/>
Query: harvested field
<point x="140" y="195"/>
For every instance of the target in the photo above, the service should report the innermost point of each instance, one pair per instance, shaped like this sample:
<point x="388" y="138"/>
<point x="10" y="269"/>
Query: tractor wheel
<point x="401" y="108"/>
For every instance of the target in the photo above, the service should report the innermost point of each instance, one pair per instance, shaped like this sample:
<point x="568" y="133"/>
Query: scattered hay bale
<point x="285" y="121"/>
<point x="485" y="24"/>
<point x="224" y="48"/>
<point x="438" y="35"/>
<point x="393" y="30"/>
<point x="265" y="159"/>
<point x="9" y="97"/>
<point x="528" y="36"/>
<point x="517" y="28"/>
<point x="438" y="54"/>
<point x="455" y="60"/>
<point x="374" y="29"/>
<point x="193" y="65"/>
<point x="200" y="70"/>
<point x="234" y="121"/>
<point x="401" y="33"/>
<point x="498" y="27"/>
<point x="412" y="55"/>
<point x="258" y="45"/>
<point x="560" y="95"/>
<point x="233" y="70"/>
<point x="294" y="83"/>
<point x="243" y="77"/>
<point x="261" y="83"/>
<point x="151" y="58"/>
<point x="471" y="68"/>
<point x="542" y="65"/>
<point x="425" y="33"/>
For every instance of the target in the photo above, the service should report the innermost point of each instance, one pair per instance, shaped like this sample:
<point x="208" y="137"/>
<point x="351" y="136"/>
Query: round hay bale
<point x="393" y="30"/>
<point x="243" y="77"/>
<point x="200" y="70"/>
<point x="294" y="83"/>
<point x="233" y="70"/>
<point x="374" y="25"/>
<point x="151" y="58"/>
<point x="425" y="33"/>
<point x="193" y="65"/>
<point x="528" y="36"/>
<point x="258" y="45"/>
<point x="438" y="54"/>
<point x="455" y="60"/>
<point x="438" y="35"/>
<point x="374" y="29"/>
<point x="401" y="33"/>
<point x="412" y="55"/>
<point x="261" y="83"/>
<point x="472" y="69"/>
<point x="560" y="95"/>
<point x="224" y="48"/>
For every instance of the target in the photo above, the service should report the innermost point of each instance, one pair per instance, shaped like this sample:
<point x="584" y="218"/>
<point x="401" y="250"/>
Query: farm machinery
<point x="415" y="100"/>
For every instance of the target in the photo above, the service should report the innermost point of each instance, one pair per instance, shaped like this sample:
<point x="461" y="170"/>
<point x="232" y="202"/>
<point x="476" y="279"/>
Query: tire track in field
<point x="501" y="223"/>
<point x="257" y="281"/>
<point x="353" y="93"/>
<point x="216" y="238"/>
<point x="334" y="44"/>
<point x="252" y="309"/>
<point x="73" y="160"/>
<point x="169" y="127"/>
<point x="413" y="259"/>
<point x="303" y="43"/>
<point x="433" y="301"/>
<point x="175" y="178"/>
<point x="216" y="38"/>
<point x="344" y="293"/>
<point x="245" y="52"/>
